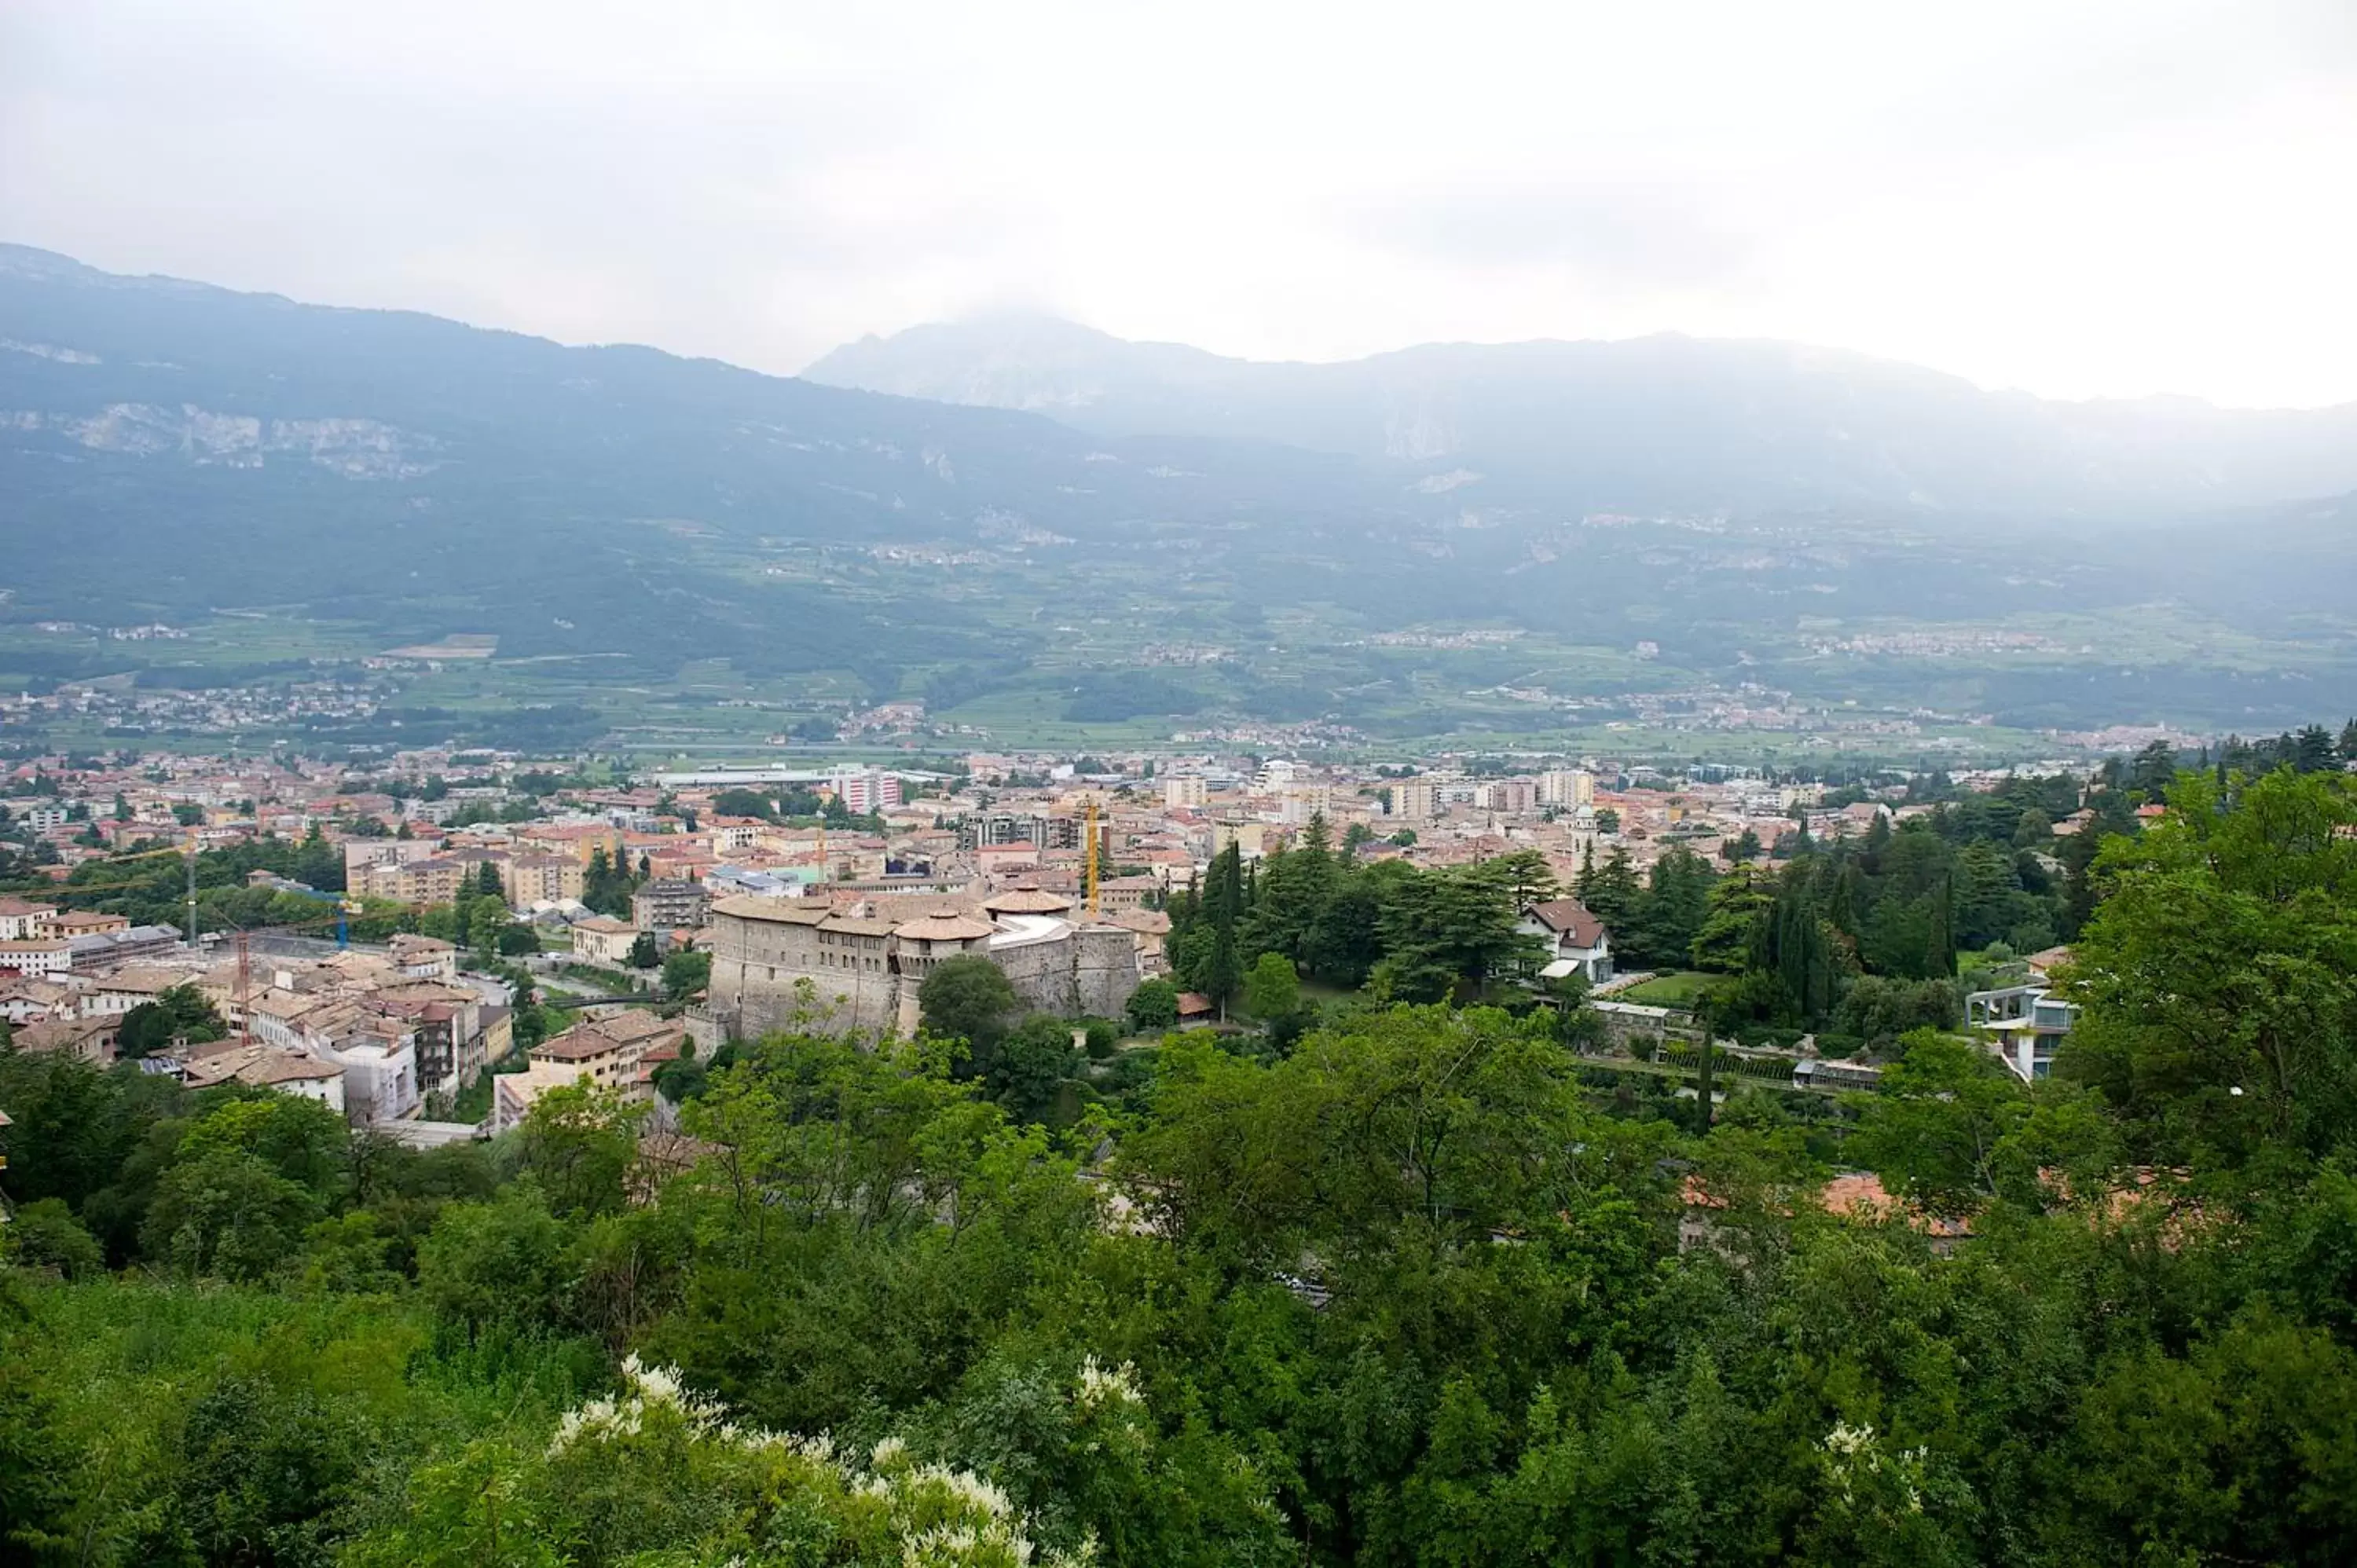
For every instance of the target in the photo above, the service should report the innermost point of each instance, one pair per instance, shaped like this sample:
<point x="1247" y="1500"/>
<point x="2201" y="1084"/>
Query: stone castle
<point x="865" y="967"/>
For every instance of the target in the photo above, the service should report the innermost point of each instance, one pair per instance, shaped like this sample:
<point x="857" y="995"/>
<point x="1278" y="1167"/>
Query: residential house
<point x="533" y="879"/>
<point x="2022" y="1025"/>
<point x="72" y="923"/>
<point x="603" y="940"/>
<point x="582" y="840"/>
<point x="83" y="1039"/>
<point x="447" y="1021"/>
<point x="513" y="1094"/>
<point x="1576" y="942"/>
<point x="26" y="1000"/>
<point x="424" y="958"/>
<point x="607" y="1050"/>
<point x="267" y="1066"/>
<point x="361" y="854"/>
<point x="118" y="993"/>
<point x="436" y="880"/>
<point x="22" y="921"/>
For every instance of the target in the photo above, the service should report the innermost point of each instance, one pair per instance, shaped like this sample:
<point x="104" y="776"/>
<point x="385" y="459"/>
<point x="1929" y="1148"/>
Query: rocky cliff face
<point x="355" y="448"/>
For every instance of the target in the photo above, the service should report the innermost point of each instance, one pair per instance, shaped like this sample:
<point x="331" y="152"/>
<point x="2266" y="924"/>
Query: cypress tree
<point x="1939" y="945"/>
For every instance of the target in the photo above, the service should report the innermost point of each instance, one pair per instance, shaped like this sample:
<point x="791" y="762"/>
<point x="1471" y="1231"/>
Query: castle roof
<point x="944" y="928"/>
<point x="1027" y="899"/>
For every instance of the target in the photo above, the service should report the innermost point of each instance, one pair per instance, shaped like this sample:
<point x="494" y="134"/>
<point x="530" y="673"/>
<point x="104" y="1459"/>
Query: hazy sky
<point x="2075" y="197"/>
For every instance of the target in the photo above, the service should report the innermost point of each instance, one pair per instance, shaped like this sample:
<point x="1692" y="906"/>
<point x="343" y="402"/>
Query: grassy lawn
<point x="1678" y="990"/>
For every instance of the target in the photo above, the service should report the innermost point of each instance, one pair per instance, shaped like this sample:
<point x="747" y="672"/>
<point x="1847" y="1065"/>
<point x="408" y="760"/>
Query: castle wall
<point x="802" y="971"/>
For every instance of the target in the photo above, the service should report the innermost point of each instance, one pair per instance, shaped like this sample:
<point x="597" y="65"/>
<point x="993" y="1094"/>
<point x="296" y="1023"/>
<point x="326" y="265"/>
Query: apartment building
<point x="872" y="790"/>
<point x="669" y="904"/>
<point x="533" y="878"/>
<point x="1188" y="792"/>
<point x="1415" y="799"/>
<point x="1570" y="787"/>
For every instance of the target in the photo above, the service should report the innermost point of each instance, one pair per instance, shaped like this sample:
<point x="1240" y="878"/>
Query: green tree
<point x="1449" y="930"/>
<point x="1034" y="1061"/>
<point x="739" y="802"/>
<point x="46" y="1235"/>
<point x="1669" y="914"/>
<point x="38" y="1463"/>
<point x="1219" y="969"/>
<point x="178" y="1011"/>
<point x="2254" y="1040"/>
<point x="297" y="1137"/>
<point x="228" y="1215"/>
<point x="1734" y="917"/>
<point x="2154" y="769"/>
<point x="1152" y="1007"/>
<point x="1273" y="989"/>
<point x="1610" y="890"/>
<point x="966" y="998"/>
<point x="579" y="1141"/>
<point x="686" y="973"/>
<point x="500" y="1265"/>
<point x="1945" y="1109"/>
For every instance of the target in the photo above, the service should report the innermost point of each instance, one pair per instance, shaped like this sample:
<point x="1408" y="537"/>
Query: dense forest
<point x="1404" y="1287"/>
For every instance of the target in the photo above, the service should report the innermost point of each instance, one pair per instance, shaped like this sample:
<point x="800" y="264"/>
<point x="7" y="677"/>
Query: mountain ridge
<point x="643" y="531"/>
<point x="1793" y="423"/>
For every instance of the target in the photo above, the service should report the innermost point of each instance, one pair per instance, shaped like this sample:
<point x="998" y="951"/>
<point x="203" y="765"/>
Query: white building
<point x="1575" y="939"/>
<point x="380" y="1074"/>
<point x="20" y="921"/>
<point x="46" y="955"/>
<point x="1278" y="775"/>
<point x="1187" y="792"/>
<point x="2022" y="1025"/>
<point x="869" y="791"/>
<point x="1568" y="787"/>
<point x="1299" y="802"/>
<point x="424" y="958"/>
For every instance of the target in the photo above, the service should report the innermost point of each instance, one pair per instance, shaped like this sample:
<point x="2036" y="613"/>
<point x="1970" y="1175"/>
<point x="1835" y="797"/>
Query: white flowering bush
<point x="659" y="1475"/>
<point x="1883" y="1504"/>
<point x="1081" y="1456"/>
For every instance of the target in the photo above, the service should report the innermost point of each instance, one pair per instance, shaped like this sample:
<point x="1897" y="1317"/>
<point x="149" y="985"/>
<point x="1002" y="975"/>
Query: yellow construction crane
<point x="1089" y="904"/>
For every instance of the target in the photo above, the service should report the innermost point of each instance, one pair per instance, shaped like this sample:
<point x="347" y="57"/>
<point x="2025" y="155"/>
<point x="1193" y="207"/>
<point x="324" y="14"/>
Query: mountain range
<point x="1658" y="421"/>
<point x="1033" y="517"/>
